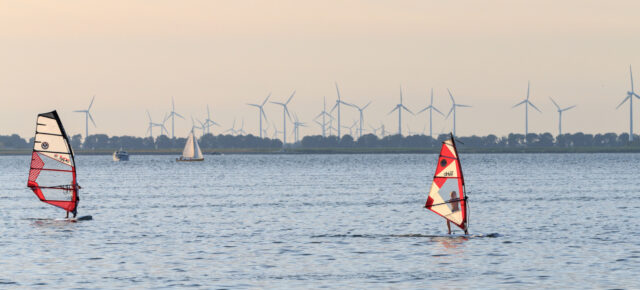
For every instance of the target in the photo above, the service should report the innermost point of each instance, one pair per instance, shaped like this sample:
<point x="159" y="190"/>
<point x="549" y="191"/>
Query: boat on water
<point x="447" y="196"/>
<point x="191" y="151"/>
<point x="52" y="174"/>
<point x="120" y="155"/>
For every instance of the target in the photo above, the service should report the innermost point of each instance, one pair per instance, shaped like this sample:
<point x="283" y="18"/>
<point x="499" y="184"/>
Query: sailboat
<point x="447" y="196"/>
<point x="191" y="151"/>
<point x="52" y="176"/>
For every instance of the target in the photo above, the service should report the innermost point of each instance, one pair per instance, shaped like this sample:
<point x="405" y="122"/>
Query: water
<point x="266" y="221"/>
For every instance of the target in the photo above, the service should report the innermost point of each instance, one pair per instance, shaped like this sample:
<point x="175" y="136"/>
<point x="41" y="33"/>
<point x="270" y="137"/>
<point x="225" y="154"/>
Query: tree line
<point x="212" y="142"/>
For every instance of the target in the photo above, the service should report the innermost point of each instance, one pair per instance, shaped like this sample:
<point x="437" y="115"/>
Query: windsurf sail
<point x="192" y="149"/>
<point x="52" y="175"/>
<point x="447" y="196"/>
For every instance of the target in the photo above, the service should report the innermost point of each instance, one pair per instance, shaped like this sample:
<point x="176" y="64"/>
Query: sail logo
<point x="447" y="173"/>
<point x="44" y="145"/>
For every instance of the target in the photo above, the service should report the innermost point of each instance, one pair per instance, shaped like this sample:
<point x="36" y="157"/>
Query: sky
<point x="136" y="55"/>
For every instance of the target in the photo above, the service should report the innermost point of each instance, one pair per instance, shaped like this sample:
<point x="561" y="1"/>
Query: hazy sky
<point x="136" y="55"/>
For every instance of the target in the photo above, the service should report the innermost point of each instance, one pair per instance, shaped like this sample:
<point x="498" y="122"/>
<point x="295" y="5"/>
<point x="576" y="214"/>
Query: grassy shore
<point x="354" y="150"/>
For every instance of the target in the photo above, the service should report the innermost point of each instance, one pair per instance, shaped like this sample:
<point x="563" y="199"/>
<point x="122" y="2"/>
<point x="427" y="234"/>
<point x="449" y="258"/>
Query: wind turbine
<point x="208" y="122"/>
<point x="453" y="109"/>
<point x="560" y="115"/>
<point x="337" y="105"/>
<point x="285" y="113"/>
<point x="361" y="110"/>
<point x="526" y="103"/>
<point x="324" y="114"/>
<point x="193" y="126"/>
<point x="296" y="127"/>
<point x="172" y="115"/>
<point x="241" y="130"/>
<point x="431" y="108"/>
<point x="400" y="107"/>
<point x="355" y="122"/>
<point x="152" y="124"/>
<point x="232" y="129"/>
<point x="261" y="113"/>
<point x="629" y="97"/>
<point x="87" y="116"/>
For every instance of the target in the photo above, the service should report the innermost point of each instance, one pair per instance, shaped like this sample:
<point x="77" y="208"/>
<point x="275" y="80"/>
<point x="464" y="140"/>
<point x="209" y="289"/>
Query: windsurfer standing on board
<point x="75" y="208"/>
<point x="454" y="207"/>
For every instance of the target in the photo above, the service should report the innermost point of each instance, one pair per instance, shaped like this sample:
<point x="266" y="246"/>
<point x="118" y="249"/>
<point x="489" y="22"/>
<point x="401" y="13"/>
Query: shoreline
<point x="250" y="151"/>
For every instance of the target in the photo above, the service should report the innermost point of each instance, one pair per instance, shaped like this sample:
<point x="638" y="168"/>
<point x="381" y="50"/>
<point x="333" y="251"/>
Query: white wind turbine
<point x="629" y="97"/>
<point x="526" y="103"/>
<point x="87" y="116"/>
<point x="355" y="122"/>
<point x="361" y="110"/>
<point x="285" y="113"/>
<point x="560" y="115"/>
<point x="400" y="107"/>
<point x="241" y="130"/>
<point x="261" y="113"/>
<point x="152" y="124"/>
<point x="431" y="108"/>
<point x="172" y="115"/>
<point x="324" y="114"/>
<point x="232" y="130"/>
<point x="453" y="109"/>
<point x="193" y="126"/>
<point x="337" y="105"/>
<point x="208" y="123"/>
<point x="296" y="127"/>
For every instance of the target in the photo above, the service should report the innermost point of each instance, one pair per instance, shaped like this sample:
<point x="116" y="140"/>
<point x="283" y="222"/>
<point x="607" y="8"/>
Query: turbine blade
<point x="554" y="102"/>
<point x="265" y="100"/>
<point x="407" y="110"/>
<point x="264" y="115"/>
<point x="534" y="106"/>
<point x="528" y="84"/>
<point x="426" y="108"/>
<point x="451" y="110"/>
<point x="451" y="96"/>
<point x="518" y="104"/>
<point x="91" y="104"/>
<point x="464" y="106"/>
<point x="291" y="97"/>
<point x="369" y="103"/>
<point x="631" y="75"/>
<point x="393" y="110"/>
<point x="434" y="108"/>
<point x="178" y="115"/>
<point x="569" y="108"/>
<point x="623" y="101"/>
<point x="253" y="105"/>
<point x="91" y="118"/>
<point x="338" y="91"/>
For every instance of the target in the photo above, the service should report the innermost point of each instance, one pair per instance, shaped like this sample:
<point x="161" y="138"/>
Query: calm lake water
<point x="336" y="221"/>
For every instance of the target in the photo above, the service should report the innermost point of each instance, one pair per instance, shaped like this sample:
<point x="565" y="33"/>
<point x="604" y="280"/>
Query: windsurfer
<point x="454" y="207"/>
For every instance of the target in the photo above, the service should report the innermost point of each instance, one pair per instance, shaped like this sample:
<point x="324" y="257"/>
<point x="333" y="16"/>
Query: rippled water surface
<point x="326" y="221"/>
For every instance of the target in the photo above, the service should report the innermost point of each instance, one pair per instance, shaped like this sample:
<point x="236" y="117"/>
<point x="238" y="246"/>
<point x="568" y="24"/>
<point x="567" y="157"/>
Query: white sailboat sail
<point x="191" y="151"/>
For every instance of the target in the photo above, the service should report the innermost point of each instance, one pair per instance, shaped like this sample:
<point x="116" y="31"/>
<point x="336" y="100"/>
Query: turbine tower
<point x="261" y="113"/>
<point x="400" y="107"/>
<point x="453" y="109"/>
<point x="526" y="103"/>
<point x="560" y="114"/>
<point x="232" y="129"/>
<point x="285" y="113"/>
<point x="361" y="110"/>
<point x="87" y="116"/>
<point x="173" y="115"/>
<point x="431" y="108"/>
<point x="629" y="97"/>
<point x="337" y="105"/>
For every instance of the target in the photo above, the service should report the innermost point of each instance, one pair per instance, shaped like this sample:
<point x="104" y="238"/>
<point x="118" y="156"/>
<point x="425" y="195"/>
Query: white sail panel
<point x="196" y="149"/>
<point x="189" y="148"/>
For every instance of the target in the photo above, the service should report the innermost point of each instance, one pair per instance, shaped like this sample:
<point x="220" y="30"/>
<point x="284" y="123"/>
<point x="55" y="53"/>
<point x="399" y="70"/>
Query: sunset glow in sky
<point x="136" y="55"/>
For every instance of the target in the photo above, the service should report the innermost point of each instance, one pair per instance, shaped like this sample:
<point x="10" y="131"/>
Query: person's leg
<point x="67" y="215"/>
<point x="449" y="227"/>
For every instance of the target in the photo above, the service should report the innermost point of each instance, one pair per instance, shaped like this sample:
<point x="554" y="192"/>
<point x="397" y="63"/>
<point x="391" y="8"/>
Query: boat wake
<point x="374" y="236"/>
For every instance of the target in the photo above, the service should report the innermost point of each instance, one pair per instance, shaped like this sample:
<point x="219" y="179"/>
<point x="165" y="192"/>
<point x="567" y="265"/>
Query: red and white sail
<point x="447" y="197"/>
<point x="52" y="175"/>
